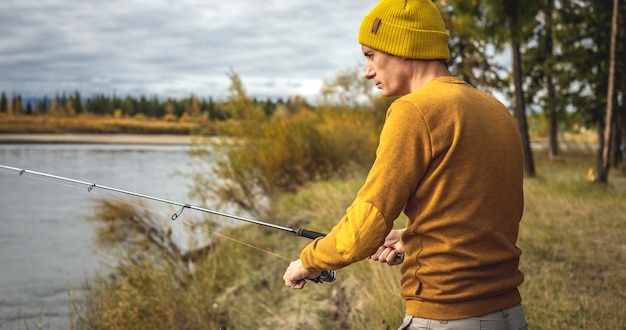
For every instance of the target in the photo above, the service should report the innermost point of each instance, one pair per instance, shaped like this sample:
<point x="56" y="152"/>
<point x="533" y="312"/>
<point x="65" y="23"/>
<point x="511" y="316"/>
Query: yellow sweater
<point x="450" y="157"/>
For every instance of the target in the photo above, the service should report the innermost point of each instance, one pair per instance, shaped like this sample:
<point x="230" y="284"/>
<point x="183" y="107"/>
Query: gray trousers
<point x="507" y="319"/>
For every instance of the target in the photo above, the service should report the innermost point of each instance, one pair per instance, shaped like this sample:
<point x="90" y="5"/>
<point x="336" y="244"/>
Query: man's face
<point x="387" y="71"/>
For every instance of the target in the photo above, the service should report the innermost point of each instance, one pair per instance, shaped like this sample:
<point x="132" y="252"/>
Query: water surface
<point x="46" y="246"/>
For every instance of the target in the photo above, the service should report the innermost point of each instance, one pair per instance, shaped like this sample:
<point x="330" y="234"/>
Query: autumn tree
<point x="68" y="107"/>
<point x="348" y="88"/>
<point x="239" y="105"/>
<point x="16" y="105"/>
<point x="54" y="108"/>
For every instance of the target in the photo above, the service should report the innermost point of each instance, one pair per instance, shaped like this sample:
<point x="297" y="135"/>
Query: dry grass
<point x="94" y="124"/>
<point x="572" y="235"/>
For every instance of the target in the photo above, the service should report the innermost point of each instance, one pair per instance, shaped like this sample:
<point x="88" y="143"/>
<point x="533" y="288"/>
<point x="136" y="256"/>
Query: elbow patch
<point x="361" y="232"/>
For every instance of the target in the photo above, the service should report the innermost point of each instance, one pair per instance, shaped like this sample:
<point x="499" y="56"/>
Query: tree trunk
<point x="599" y="167"/>
<point x="553" y="147"/>
<point x="603" y="172"/>
<point x="520" y="110"/>
<point x="619" y="53"/>
<point x="511" y="8"/>
<point x="622" y="145"/>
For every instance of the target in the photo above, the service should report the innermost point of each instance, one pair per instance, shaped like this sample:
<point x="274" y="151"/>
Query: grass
<point x="93" y="124"/>
<point x="572" y="237"/>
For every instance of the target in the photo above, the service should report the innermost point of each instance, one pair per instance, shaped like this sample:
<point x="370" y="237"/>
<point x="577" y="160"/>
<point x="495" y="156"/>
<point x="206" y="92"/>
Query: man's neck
<point x="425" y="71"/>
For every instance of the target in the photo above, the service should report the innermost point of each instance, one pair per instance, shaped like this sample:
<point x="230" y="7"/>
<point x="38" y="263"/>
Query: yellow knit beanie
<point x="406" y="28"/>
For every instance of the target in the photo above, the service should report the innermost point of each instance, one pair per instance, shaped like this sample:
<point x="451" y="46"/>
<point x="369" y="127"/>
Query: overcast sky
<point x="172" y="48"/>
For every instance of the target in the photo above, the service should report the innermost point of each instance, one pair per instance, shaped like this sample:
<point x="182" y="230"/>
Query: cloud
<point x="172" y="48"/>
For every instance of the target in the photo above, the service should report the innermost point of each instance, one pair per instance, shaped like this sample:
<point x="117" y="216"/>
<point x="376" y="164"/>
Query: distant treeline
<point x="101" y="104"/>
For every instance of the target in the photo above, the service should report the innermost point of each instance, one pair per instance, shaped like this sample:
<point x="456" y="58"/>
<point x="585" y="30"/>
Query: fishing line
<point x="298" y="231"/>
<point x="58" y="183"/>
<point x="235" y="240"/>
<point x="325" y="276"/>
<point x="140" y="206"/>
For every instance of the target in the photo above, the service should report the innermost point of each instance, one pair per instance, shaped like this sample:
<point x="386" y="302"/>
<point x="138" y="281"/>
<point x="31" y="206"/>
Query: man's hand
<point x="296" y="275"/>
<point x="390" y="249"/>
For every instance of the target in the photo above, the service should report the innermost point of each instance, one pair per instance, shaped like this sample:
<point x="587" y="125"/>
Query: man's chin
<point x="389" y="94"/>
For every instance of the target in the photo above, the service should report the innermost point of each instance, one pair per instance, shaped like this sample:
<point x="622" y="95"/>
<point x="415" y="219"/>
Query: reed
<point x="287" y="152"/>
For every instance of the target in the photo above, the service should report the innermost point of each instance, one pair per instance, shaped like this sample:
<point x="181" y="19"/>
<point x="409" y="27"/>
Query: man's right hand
<point x="391" y="249"/>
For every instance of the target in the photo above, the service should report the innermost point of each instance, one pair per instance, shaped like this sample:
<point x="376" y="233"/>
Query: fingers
<point x="376" y="256"/>
<point x="387" y="255"/>
<point x="383" y="254"/>
<point x="296" y="275"/>
<point x="299" y="284"/>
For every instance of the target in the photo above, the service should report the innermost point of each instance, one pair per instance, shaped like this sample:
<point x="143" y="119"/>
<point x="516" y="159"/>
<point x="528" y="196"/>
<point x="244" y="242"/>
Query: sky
<point x="173" y="48"/>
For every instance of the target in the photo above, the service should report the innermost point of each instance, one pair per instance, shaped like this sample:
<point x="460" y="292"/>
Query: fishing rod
<point x="326" y="276"/>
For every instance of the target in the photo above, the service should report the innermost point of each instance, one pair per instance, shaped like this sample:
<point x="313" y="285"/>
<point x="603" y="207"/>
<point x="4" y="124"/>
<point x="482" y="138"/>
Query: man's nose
<point x="370" y="73"/>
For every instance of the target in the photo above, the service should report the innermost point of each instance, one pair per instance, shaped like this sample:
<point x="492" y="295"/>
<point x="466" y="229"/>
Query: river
<point x="46" y="246"/>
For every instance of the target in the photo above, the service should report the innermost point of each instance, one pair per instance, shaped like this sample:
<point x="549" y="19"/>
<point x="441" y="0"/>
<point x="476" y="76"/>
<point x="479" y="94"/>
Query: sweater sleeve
<point x="402" y="158"/>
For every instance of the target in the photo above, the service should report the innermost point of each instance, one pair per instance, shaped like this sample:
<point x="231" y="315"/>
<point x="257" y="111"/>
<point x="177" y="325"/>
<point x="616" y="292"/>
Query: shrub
<point x="285" y="153"/>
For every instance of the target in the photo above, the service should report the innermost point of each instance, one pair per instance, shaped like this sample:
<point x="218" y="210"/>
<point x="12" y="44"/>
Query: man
<point x="450" y="158"/>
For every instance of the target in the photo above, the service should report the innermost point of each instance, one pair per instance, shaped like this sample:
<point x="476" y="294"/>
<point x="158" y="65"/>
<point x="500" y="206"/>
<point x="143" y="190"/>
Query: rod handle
<point x="309" y="233"/>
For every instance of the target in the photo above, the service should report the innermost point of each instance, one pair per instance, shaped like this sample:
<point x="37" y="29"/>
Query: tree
<point x="54" y="109"/>
<point x="194" y="106"/>
<point x="471" y="55"/>
<point x="4" y="103"/>
<point x="477" y="25"/>
<point x="68" y="106"/>
<point x="29" y="108"/>
<point x="541" y="67"/>
<point x="16" y="106"/>
<point x="42" y="105"/>
<point x="239" y="105"/>
<point x="585" y="38"/>
<point x="603" y="171"/>
<point x="348" y="89"/>
<point x="512" y="11"/>
<point x="77" y="104"/>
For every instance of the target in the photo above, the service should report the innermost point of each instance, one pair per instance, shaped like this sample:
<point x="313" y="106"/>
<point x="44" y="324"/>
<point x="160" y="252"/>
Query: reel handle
<point x="326" y="276"/>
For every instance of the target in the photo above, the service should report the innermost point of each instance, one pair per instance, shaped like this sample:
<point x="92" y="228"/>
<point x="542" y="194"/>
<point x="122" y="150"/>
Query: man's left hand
<point x="296" y="275"/>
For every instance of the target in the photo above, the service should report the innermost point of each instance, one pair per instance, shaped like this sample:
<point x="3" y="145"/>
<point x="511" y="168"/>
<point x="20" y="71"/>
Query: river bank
<point x="157" y="139"/>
